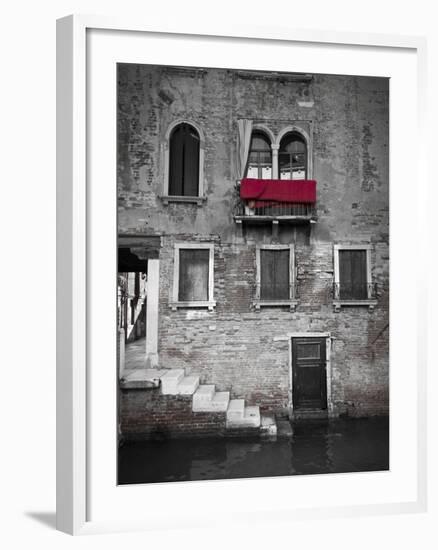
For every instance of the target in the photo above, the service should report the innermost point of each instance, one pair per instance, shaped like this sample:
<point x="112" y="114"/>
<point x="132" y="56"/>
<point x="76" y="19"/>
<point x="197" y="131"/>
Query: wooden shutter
<point x="184" y="161"/>
<point x="176" y="161"/>
<point x="193" y="275"/>
<point x="353" y="274"/>
<point x="191" y="162"/>
<point x="274" y="274"/>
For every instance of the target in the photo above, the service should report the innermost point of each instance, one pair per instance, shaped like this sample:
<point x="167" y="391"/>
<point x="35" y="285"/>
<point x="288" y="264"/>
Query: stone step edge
<point x="203" y="397"/>
<point x="170" y="381"/>
<point x="268" y="426"/>
<point x="250" y="420"/>
<point x="188" y="385"/>
<point x="218" y="403"/>
<point x="236" y="409"/>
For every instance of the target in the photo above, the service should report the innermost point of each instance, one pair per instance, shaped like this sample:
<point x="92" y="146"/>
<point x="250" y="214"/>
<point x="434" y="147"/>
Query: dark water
<point x="351" y="445"/>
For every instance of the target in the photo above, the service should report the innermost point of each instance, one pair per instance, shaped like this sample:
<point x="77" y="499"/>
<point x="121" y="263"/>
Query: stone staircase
<point x="205" y="399"/>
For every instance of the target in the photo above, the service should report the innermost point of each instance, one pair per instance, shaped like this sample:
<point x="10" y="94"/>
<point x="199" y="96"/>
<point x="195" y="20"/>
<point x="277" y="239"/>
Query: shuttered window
<point x="193" y="275"/>
<point x="274" y="274"/>
<point x="353" y="283"/>
<point x="184" y="161"/>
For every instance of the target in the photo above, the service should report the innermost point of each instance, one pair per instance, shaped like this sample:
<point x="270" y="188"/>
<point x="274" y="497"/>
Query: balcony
<point x="276" y="201"/>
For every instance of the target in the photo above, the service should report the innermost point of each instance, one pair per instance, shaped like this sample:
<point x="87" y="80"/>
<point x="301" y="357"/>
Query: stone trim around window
<point x="368" y="302"/>
<point x="165" y="197"/>
<point x="308" y="138"/>
<point x="292" y="301"/>
<point x="174" y="302"/>
<point x="294" y="126"/>
<point x="177" y="198"/>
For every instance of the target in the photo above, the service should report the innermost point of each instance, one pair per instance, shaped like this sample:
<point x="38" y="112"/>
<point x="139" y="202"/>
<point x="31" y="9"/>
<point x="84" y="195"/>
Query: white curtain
<point x="244" y="141"/>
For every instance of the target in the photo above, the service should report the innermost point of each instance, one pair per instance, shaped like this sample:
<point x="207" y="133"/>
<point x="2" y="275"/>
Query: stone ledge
<point x="292" y="304"/>
<point x="182" y="199"/>
<point x="210" y="305"/>
<point x="337" y="304"/>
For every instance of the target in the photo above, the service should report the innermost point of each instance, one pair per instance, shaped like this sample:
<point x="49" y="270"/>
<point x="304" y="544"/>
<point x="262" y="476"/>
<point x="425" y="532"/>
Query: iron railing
<point x="278" y="292"/>
<point x="277" y="209"/>
<point x="354" y="291"/>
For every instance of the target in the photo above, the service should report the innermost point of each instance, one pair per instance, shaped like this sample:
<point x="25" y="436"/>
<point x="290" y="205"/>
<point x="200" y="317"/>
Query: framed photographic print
<point x="239" y="298"/>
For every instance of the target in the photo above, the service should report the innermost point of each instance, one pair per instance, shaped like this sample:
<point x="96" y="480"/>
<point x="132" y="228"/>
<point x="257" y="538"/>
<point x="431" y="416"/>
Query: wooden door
<point x="309" y="373"/>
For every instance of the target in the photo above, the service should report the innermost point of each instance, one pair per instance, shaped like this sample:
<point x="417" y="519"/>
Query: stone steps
<point x="250" y="419"/>
<point x="205" y="398"/>
<point x="188" y="385"/>
<point x="202" y="397"/>
<point x="236" y="410"/>
<point x="170" y="381"/>
<point x="220" y="401"/>
<point x="268" y="426"/>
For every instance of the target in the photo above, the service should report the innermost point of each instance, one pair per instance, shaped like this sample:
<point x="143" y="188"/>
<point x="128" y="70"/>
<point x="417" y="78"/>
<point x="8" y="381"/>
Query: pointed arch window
<point x="184" y="151"/>
<point x="260" y="157"/>
<point x="292" y="157"/>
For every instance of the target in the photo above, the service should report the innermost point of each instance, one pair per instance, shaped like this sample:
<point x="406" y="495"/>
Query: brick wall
<point x="235" y="346"/>
<point x="147" y="414"/>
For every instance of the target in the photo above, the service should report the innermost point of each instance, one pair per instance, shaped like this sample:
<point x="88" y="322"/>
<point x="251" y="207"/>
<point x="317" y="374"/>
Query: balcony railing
<point x="288" y="291"/>
<point x="354" y="291"/>
<point x="287" y="201"/>
<point x="277" y="209"/>
<point x="285" y="295"/>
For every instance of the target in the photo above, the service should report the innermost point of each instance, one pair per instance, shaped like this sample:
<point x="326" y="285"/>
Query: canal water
<point x="347" y="445"/>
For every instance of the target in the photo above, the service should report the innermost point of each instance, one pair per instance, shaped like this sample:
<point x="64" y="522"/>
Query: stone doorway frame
<point x="328" y="340"/>
<point x="147" y="248"/>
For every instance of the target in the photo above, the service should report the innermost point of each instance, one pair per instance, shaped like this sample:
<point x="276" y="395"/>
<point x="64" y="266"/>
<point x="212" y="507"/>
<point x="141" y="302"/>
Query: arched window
<point x="260" y="157"/>
<point x="292" y="157"/>
<point x="184" y="161"/>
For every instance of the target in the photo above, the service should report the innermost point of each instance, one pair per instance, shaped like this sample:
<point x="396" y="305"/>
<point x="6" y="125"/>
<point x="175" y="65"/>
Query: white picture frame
<point x="81" y="490"/>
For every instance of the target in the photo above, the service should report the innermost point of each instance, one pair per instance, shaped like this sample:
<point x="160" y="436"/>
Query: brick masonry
<point x="149" y="414"/>
<point x="235" y="346"/>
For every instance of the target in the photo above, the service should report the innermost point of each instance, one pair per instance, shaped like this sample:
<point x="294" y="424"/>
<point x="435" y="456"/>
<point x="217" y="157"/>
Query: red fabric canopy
<point x="294" y="191"/>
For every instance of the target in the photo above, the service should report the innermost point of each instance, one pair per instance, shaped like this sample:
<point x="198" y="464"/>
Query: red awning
<point x="293" y="191"/>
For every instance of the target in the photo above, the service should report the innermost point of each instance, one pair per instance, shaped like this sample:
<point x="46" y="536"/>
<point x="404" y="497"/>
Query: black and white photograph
<point x="253" y="273"/>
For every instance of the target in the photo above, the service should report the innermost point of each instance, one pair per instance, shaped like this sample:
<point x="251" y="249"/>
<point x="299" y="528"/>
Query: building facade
<point x="256" y="205"/>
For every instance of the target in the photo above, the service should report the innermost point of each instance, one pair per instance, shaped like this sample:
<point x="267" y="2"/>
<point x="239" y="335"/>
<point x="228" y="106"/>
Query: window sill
<point x="210" y="305"/>
<point x="292" y="304"/>
<point x="337" y="304"/>
<point x="176" y="198"/>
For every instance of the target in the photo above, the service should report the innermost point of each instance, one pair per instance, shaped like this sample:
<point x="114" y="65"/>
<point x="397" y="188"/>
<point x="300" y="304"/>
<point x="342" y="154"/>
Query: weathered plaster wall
<point x="234" y="345"/>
